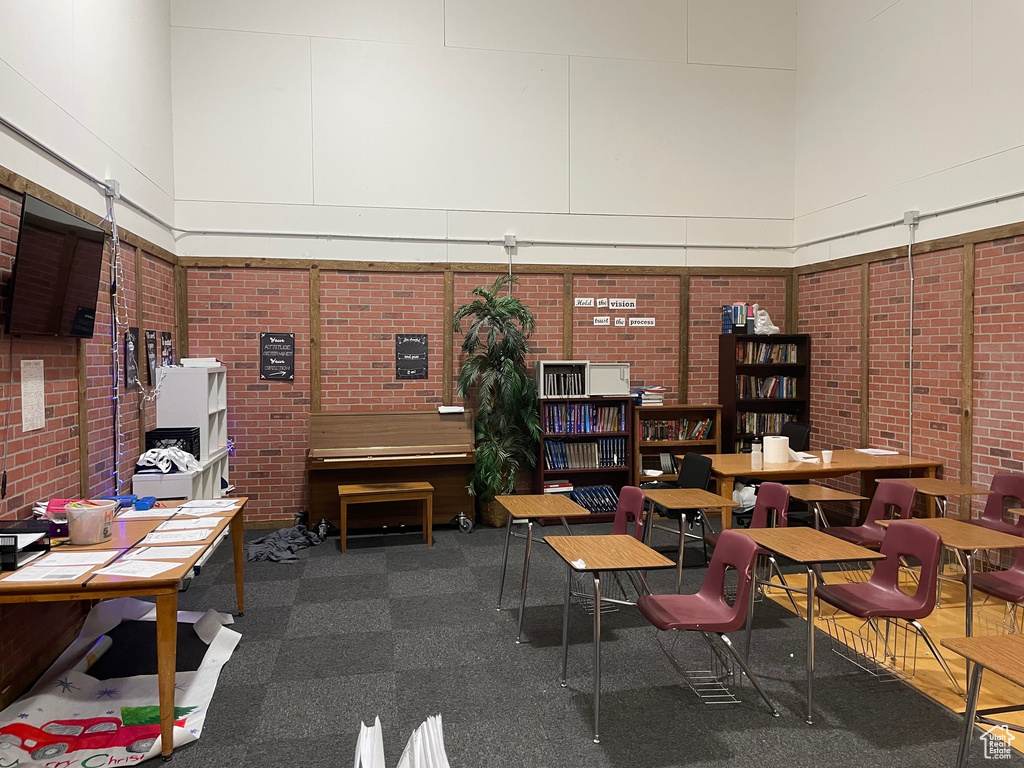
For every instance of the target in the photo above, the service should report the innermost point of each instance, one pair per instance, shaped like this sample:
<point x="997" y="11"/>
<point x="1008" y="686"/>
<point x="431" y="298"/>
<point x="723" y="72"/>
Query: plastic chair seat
<point x="862" y="535"/>
<point x="699" y="612"/>
<point x="868" y="600"/>
<point x="1004" y="585"/>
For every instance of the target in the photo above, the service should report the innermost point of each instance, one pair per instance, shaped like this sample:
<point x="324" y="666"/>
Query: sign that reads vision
<point x="641" y="322"/>
<point x="277" y="356"/>
<point x="621" y="303"/>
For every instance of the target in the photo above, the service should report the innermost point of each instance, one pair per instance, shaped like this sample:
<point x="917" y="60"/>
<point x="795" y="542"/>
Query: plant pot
<point x="491" y="514"/>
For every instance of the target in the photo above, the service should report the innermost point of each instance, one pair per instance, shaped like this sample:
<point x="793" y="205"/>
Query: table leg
<point x="929" y="501"/>
<point x="969" y="599"/>
<point x="344" y="524"/>
<point x="428" y="519"/>
<point x="565" y="621"/>
<point x="973" y="690"/>
<point x="750" y="613"/>
<point x="166" y="662"/>
<point x="867" y="490"/>
<point x="682" y="551"/>
<point x="504" y="559"/>
<point x="238" y="553"/>
<point x="810" y="645"/>
<point x="526" y="575"/>
<point x="725" y="485"/>
<point x="597" y="659"/>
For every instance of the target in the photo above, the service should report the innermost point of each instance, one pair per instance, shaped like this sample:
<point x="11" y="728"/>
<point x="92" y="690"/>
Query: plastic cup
<point x="826" y="457"/>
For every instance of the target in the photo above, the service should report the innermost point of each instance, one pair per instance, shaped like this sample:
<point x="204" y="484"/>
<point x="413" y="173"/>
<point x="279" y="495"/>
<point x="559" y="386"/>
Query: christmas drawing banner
<point x="72" y="720"/>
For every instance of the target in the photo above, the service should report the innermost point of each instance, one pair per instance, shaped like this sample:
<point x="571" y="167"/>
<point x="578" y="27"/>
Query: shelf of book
<point x="753" y="371"/>
<point x="659" y="432"/>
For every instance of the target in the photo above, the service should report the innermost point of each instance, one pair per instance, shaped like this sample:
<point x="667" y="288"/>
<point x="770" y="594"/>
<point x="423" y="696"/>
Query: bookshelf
<point x="585" y="441"/>
<point x="763" y="382"/>
<point x="673" y="429"/>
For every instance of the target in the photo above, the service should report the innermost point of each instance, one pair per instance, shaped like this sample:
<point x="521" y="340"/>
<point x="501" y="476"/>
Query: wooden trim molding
<point x="792" y="303"/>
<point x="684" y="339"/>
<point x="567" y="315"/>
<point x="181" y="310"/>
<point x="448" y="337"/>
<point x="83" y="419"/>
<point x="865" y="354"/>
<point x="315" y="383"/>
<point x="967" y="372"/>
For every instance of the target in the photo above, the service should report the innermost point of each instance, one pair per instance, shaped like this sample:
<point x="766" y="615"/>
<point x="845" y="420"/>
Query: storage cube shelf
<point x="672" y="429"/>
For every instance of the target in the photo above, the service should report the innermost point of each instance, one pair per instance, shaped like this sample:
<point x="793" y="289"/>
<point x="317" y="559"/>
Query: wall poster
<point x="277" y="356"/>
<point x="410" y="355"/>
<point x="131" y="359"/>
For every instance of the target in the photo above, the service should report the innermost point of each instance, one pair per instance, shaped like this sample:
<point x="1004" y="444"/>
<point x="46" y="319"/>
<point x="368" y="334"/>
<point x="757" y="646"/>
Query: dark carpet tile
<point x="440" y="581"/>
<point x="230" y="719"/>
<point x="209" y="752"/>
<point x="258" y="595"/>
<point x="451" y="647"/>
<point x="259" y="571"/>
<point x="408" y="559"/>
<point x="339" y="617"/>
<point x="357" y="653"/>
<point x="250" y="661"/>
<point x="362" y="563"/>
<point x="334" y="588"/>
<point x="263" y="624"/>
<point x="420" y="612"/>
<point x="302" y="753"/>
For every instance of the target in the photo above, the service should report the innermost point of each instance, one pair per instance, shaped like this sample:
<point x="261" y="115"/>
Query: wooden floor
<point x="947" y="621"/>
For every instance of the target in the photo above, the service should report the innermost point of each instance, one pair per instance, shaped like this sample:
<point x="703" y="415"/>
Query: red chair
<point x="1005" y="585"/>
<point x="880" y="597"/>
<point x="708" y="611"/>
<point x="629" y="508"/>
<point x="1007" y="493"/>
<point x="892" y="499"/>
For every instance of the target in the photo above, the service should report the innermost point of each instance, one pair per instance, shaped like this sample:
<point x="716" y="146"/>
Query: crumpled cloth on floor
<point x="281" y="546"/>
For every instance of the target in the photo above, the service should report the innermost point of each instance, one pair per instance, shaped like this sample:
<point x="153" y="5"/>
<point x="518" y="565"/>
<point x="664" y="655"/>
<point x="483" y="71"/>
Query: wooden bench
<point x="373" y="493"/>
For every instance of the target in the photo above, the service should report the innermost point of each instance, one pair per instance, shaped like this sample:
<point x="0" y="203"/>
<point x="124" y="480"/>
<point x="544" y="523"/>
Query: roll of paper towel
<point x="776" y="450"/>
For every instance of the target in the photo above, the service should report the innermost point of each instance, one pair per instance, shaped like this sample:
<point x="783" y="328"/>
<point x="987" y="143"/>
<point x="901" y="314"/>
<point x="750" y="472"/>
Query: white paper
<point x="219" y="503"/>
<point x="877" y="452"/>
<point x="802" y="456"/>
<point x="451" y="409"/>
<point x="178" y="525"/>
<point x="141" y="568"/>
<point x="77" y="558"/>
<point x="578" y="563"/>
<point x="173" y="537"/>
<point x="42" y="573"/>
<point x="200" y="511"/>
<point x="33" y="396"/>
<point x="162" y="553"/>
<point x="135" y="514"/>
<point x="24" y="539"/>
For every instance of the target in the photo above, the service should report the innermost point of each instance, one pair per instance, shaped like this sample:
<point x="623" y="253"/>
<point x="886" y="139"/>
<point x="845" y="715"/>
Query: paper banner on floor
<point x="77" y="721"/>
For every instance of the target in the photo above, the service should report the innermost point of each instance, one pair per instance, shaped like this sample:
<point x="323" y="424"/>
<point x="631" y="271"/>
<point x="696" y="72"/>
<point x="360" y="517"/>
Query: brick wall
<point x="707" y="295"/>
<point x="888" y="402"/>
<point x="267" y="420"/>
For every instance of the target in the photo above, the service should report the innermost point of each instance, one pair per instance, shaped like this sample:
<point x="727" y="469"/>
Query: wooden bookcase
<point x="745" y="360"/>
<point x="659" y="429"/>
<point x="582" y="431"/>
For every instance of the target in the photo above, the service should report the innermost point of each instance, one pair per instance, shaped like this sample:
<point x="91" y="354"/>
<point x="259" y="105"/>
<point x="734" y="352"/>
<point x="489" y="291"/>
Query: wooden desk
<point x="726" y="467"/>
<point x="597" y="555"/>
<point x="810" y="548"/>
<point x="530" y="507"/>
<point x="1004" y="655"/>
<point x="377" y="493"/>
<point x="940" y="489"/>
<point x="814" y="495"/>
<point x="684" y="499"/>
<point x="127" y="535"/>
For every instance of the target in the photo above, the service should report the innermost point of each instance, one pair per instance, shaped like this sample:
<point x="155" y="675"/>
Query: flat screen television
<point x="55" y="281"/>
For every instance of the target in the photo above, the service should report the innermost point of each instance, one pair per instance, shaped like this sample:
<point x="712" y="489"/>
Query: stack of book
<point x="596" y="498"/>
<point x="558" y="486"/>
<point x="652" y="395"/>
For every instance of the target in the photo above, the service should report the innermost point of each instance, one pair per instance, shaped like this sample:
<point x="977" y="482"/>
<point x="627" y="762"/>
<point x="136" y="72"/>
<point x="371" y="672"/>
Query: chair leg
<point x="935" y="652"/>
<point x="750" y="675"/>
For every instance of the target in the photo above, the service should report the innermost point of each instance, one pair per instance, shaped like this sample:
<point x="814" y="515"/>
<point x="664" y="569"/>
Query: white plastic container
<point x="91" y="524"/>
<point x="756" y="457"/>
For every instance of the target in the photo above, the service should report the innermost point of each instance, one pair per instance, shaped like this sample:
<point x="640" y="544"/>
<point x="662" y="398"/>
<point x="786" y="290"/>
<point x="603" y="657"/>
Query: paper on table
<point x="200" y="511"/>
<point x="162" y="553"/>
<point x="173" y="537"/>
<point x="578" y="563"/>
<point x="877" y="451"/>
<point x="24" y="539"/>
<point x="801" y="456"/>
<point x="177" y="525"/>
<point x="451" y="409"/>
<point x="43" y="573"/>
<point x="77" y="558"/>
<point x="131" y="514"/>
<point x="221" y="503"/>
<point x="142" y="568"/>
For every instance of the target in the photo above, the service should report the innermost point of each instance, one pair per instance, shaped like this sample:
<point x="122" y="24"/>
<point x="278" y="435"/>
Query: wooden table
<point x="966" y="538"/>
<point x="127" y="535"/>
<point x="726" y="467"/>
<point x="375" y="493"/>
<point x="597" y="555"/>
<point x="683" y="499"/>
<point x="810" y="548"/>
<point x="541" y="506"/>
<point x="940" y="489"/>
<point x="814" y="495"/>
<point x="1004" y="655"/>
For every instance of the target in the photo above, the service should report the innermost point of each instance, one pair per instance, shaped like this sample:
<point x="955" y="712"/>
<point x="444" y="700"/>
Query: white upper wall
<point x="92" y="80"/>
<point x="906" y="105"/>
<point x="580" y="111"/>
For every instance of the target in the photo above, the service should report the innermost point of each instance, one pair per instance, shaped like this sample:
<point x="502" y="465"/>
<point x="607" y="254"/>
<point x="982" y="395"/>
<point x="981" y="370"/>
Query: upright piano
<point x="350" y="447"/>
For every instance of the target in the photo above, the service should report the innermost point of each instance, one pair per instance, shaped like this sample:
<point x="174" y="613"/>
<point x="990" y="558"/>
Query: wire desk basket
<point x="884" y="648"/>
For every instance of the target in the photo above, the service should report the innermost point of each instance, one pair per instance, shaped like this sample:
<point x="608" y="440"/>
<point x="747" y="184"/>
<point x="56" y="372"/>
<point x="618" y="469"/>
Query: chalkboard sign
<point x="277" y="356"/>
<point x="410" y="355"/>
<point x="131" y="359"/>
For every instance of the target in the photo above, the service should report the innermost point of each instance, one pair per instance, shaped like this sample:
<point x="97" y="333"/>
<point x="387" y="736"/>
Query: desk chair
<point x="630" y="508"/>
<point x="892" y="499"/>
<point x="1007" y="492"/>
<point x="694" y="472"/>
<point x="880" y="597"/>
<point x="708" y="611"/>
<point x="1005" y="585"/>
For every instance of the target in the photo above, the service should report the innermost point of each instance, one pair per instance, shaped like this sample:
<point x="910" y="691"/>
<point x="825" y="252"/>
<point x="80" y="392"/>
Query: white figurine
<point x="763" y="325"/>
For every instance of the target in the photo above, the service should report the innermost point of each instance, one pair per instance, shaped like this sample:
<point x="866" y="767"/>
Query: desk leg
<point x="867" y="490"/>
<point x="597" y="658"/>
<point x="166" y="662"/>
<point x="682" y="550"/>
<point x="929" y="501"/>
<point x="526" y="575"/>
<point x="238" y="553"/>
<point x="565" y="621"/>
<point x="968" y="556"/>
<point x="725" y="485"/>
<point x="344" y="524"/>
<point x="969" y="714"/>
<point x="504" y="559"/>
<point x="810" y="645"/>
<point x="428" y="519"/>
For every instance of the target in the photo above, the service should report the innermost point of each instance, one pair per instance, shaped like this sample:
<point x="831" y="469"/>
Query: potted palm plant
<point x="494" y="370"/>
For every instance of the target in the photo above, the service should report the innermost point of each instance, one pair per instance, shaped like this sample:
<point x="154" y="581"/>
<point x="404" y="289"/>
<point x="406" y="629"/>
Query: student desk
<point x="809" y="548"/>
<point x="682" y="500"/>
<point x="127" y="535"/>
<point x="597" y="555"/>
<point x="726" y="467"/>
<point x="940" y="490"/>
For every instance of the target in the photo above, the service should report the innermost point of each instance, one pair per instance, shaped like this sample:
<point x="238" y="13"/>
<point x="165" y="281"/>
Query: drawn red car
<point x="60" y="736"/>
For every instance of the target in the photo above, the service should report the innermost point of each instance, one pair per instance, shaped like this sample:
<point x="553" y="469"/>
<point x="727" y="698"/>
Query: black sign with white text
<point x="277" y="356"/>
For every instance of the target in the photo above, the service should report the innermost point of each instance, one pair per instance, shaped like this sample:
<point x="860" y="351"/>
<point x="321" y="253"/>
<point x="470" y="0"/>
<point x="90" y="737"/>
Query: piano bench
<point x="373" y="493"/>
